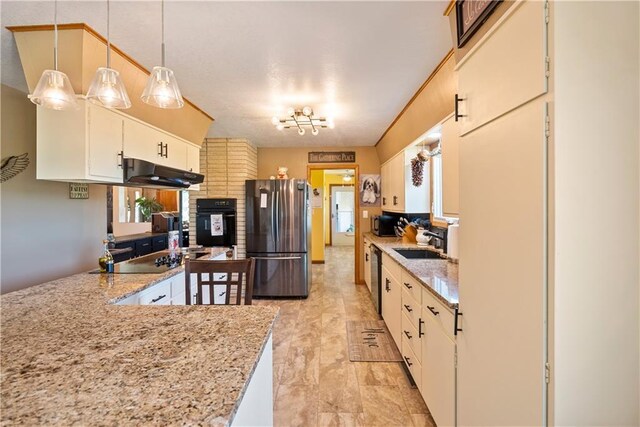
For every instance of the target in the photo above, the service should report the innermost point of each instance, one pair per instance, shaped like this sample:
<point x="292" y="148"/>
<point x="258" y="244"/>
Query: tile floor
<point x="314" y="382"/>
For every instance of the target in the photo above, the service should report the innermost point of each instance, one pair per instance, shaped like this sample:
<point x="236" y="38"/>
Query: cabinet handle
<point x="456" y="329"/>
<point x="166" y="150"/>
<point x="408" y="307"/>
<point x="457" y="100"/>
<point x="406" y="359"/>
<point x="160" y="149"/>
<point x="420" y="322"/>
<point x="387" y="282"/>
<point x="395" y="200"/>
<point x="120" y="159"/>
<point x="384" y="201"/>
<point x="159" y="298"/>
<point x="221" y="294"/>
<point x="408" y="286"/>
<point x="408" y="334"/>
<point x="366" y="257"/>
<point x="433" y="310"/>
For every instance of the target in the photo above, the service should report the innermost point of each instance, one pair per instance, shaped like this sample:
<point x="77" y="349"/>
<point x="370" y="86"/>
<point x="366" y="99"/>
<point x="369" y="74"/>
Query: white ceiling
<point x="244" y="62"/>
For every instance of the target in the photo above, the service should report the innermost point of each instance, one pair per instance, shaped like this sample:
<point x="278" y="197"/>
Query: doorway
<point x="335" y="211"/>
<point x="342" y="215"/>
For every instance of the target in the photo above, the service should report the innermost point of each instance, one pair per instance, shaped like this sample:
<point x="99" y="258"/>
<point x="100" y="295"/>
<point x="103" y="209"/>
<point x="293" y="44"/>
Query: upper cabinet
<point x="88" y="144"/>
<point x="398" y="192"/>
<point x="490" y="86"/>
<point x="449" y="142"/>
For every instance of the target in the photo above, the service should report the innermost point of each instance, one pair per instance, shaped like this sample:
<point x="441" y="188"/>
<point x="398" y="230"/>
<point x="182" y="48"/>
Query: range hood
<point x="140" y="173"/>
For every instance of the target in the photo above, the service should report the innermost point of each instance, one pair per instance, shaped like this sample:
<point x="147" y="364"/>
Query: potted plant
<point x="147" y="207"/>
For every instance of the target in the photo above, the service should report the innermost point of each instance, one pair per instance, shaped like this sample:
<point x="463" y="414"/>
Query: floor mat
<point x="370" y="341"/>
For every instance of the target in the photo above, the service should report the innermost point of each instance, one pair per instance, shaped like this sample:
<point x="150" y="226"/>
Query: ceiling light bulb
<point x="315" y="131"/>
<point x="307" y="111"/>
<point x="346" y="178"/>
<point x="291" y="111"/>
<point x="300" y="131"/>
<point x="107" y="89"/>
<point x="54" y="91"/>
<point x="162" y="89"/>
<point x="330" y="124"/>
<point x="434" y="135"/>
<point x="275" y="121"/>
<point x="280" y="127"/>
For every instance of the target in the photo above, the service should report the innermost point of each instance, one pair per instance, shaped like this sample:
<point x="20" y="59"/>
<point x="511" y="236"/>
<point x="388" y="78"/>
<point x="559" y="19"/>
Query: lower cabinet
<point x="426" y="339"/>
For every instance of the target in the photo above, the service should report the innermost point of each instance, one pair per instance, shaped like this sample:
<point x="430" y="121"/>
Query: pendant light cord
<point x="108" y="38"/>
<point x="55" y="35"/>
<point x="163" y="54"/>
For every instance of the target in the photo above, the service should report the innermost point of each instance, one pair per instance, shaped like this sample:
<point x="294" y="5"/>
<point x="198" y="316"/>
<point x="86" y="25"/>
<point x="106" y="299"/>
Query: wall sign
<point x="470" y="15"/>
<point x="332" y="157"/>
<point x="78" y="190"/>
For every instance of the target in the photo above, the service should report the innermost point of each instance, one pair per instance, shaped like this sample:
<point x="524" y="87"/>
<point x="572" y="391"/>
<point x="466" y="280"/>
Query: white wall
<point x="44" y="234"/>
<point x="596" y="366"/>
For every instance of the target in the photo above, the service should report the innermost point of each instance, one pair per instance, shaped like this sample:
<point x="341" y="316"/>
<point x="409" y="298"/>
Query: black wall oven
<point x="216" y="221"/>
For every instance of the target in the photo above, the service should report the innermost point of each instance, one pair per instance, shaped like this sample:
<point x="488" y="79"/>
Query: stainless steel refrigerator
<point x="278" y="236"/>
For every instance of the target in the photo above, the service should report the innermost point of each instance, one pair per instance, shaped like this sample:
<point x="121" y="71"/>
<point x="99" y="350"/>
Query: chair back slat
<point x="218" y="275"/>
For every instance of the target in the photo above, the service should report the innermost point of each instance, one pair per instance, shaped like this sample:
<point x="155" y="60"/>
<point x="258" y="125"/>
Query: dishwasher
<point x="376" y="278"/>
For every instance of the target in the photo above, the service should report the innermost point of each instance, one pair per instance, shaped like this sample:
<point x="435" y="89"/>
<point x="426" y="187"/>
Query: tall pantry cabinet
<point x="502" y="155"/>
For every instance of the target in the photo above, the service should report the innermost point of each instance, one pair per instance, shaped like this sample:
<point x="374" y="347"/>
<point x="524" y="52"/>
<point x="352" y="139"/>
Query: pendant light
<point x="162" y="89"/>
<point x="54" y="89"/>
<point x="106" y="88"/>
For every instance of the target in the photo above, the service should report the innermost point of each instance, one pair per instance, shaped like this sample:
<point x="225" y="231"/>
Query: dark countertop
<point x="69" y="356"/>
<point x="438" y="276"/>
<point x="130" y="237"/>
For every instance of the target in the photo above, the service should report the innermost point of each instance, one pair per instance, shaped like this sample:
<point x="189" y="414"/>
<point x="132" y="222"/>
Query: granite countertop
<point x="438" y="276"/>
<point x="70" y="356"/>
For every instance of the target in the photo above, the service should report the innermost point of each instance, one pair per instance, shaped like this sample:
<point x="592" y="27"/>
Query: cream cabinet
<point x="449" y="143"/>
<point x="193" y="158"/>
<point x="398" y="192"/>
<point x="391" y="299"/>
<point x="83" y="145"/>
<point x="367" y="263"/>
<point x="145" y="142"/>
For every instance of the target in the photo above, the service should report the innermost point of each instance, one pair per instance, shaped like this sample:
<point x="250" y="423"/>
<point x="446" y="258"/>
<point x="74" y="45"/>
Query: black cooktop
<point x="157" y="262"/>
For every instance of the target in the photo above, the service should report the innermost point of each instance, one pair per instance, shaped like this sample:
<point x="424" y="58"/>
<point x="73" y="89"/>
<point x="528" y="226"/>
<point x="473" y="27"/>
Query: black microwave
<point x="383" y="225"/>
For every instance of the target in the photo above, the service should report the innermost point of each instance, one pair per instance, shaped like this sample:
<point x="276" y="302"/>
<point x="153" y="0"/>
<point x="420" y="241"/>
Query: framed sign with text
<point x="332" y="157"/>
<point x="78" y="190"/>
<point x="470" y="15"/>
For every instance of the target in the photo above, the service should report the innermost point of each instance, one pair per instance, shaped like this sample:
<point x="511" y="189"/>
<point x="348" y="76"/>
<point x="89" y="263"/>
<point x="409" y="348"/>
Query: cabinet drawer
<point x="393" y="267"/>
<point x="143" y="247"/>
<point x="411" y="336"/>
<point x="412" y="287"/>
<point x="158" y="243"/>
<point x="410" y="308"/>
<point x="411" y="361"/>
<point x="444" y="316"/>
<point x="159" y="294"/>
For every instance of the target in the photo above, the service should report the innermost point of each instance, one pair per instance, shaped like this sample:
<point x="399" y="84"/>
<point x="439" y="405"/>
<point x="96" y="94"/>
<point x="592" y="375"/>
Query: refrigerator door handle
<point x="276" y="257"/>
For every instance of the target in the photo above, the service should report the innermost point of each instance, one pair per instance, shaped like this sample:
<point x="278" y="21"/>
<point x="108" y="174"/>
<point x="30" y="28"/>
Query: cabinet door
<point x="385" y="184"/>
<point x="438" y="372"/>
<point x="141" y="141"/>
<point x="367" y="264"/>
<point x="502" y="201"/>
<point x="507" y="69"/>
<point x="193" y="158"/>
<point x="105" y="143"/>
<point x="391" y="306"/>
<point x="450" y="170"/>
<point x="174" y="151"/>
<point x="396" y="172"/>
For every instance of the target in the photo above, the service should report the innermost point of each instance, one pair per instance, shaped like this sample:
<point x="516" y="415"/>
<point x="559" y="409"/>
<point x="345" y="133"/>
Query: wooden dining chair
<point x="223" y="279"/>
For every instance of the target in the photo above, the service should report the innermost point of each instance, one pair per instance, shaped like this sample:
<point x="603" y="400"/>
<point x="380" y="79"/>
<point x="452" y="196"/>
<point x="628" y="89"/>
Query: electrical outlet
<point x="365" y="214"/>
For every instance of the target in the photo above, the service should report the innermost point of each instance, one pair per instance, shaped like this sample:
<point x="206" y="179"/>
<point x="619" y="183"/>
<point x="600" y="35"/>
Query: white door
<point x="342" y="216"/>
<point x="105" y="144"/>
<point x="501" y="358"/>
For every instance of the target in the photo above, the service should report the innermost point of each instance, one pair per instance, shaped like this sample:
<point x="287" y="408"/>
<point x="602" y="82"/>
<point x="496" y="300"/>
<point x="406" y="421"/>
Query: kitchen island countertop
<point x="70" y="356"/>
<point x="438" y="276"/>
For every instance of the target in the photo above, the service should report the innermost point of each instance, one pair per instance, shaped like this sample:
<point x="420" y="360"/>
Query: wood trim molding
<point x="419" y="91"/>
<point x="449" y="8"/>
<point x="114" y="48"/>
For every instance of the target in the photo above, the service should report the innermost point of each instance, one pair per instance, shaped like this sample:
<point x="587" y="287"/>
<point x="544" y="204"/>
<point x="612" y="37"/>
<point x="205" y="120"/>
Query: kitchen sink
<point x="418" y="253"/>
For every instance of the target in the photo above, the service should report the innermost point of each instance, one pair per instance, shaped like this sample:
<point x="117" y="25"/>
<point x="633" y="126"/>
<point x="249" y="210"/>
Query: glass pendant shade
<point x="107" y="89"/>
<point x="162" y="89"/>
<point x="54" y="91"/>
